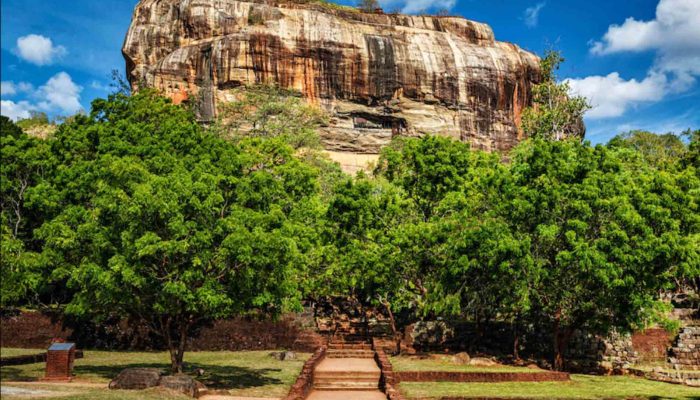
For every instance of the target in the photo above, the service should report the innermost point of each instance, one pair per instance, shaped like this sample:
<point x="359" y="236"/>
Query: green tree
<point x="268" y="112"/>
<point x="426" y="169"/>
<point x="367" y="219"/>
<point x="604" y="238"/>
<point x="26" y="161"/>
<point x="662" y="151"/>
<point x="166" y="223"/>
<point x="555" y="113"/>
<point x="692" y="157"/>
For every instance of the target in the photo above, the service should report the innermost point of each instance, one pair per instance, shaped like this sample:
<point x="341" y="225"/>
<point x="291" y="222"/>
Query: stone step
<point x="346" y="395"/>
<point x="349" y="353"/>
<point x="349" y="346"/>
<point x="354" y="386"/>
<point x="327" y="376"/>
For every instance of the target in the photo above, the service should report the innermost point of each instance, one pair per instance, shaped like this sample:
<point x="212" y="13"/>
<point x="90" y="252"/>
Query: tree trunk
<point x="516" y="340"/>
<point x="394" y="331"/>
<point x="176" y="348"/>
<point x="561" y="340"/>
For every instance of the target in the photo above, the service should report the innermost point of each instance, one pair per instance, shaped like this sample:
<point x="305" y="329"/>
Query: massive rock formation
<point x="378" y="75"/>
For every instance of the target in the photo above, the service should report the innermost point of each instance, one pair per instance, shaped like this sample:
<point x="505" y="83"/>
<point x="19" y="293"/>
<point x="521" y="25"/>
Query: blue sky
<point x="637" y="60"/>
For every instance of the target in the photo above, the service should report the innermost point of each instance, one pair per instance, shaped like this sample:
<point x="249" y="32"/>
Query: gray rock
<point x="137" y="379"/>
<point x="284" y="355"/>
<point x="182" y="383"/>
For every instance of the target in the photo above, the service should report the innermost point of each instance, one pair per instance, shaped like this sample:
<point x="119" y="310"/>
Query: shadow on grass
<point x="215" y="376"/>
<point x="17" y="374"/>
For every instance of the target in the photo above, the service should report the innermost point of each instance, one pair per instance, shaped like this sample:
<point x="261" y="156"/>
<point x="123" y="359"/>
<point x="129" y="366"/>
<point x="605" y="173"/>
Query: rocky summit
<point x="378" y="75"/>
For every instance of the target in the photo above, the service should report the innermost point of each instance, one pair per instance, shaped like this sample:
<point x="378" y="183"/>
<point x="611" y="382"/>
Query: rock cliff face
<point x="377" y="75"/>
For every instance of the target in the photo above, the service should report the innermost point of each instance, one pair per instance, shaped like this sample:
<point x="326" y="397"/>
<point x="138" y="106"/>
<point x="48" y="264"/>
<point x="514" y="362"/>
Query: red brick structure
<point x="305" y="381"/>
<point x="488" y="377"/>
<point x="389" y="380"/>
<point x="652" y="344"/>
<point x="59" y="362"/>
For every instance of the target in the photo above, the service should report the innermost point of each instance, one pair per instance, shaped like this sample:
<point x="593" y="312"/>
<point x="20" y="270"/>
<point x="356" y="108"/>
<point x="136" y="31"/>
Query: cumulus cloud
<point x="16" y="111"/>
<point x="610" y="96"/>
<point x="531" y="16"/>
<point x="58" y="95"/>
<point x="9" y="88"/>
<point x="674" y="34"/>
<point x="39" y="50"/>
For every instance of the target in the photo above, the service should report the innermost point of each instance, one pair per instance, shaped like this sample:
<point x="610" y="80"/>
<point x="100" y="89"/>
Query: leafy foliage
<point x="137" y="211"/>
<point x="661" y="151"/>
<point x="268" y="111"/>
<point x="154" y="218"/>
<point x="556" y="114"/>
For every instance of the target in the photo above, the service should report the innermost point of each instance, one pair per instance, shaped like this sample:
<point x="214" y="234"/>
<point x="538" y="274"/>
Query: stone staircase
<point x="348" y="372"/>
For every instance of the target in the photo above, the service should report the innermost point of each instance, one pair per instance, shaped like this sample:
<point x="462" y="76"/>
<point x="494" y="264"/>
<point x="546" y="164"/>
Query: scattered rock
<point x="482" y="362"/>
<point x="461" y="358"/>
<point x="284" y="355"/>
<point x="182" y="383"/>
<point x="532" y="366"/>
<point x="137" y="379"/>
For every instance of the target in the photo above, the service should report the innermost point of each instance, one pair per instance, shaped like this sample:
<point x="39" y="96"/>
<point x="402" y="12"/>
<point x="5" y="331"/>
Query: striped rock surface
<point x="378" y="75"/>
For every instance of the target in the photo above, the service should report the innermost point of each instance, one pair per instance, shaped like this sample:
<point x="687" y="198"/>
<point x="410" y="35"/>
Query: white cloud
<point x="531" y="16"/>
<point x="100" y="86"/>
<point x="16" y="111"/>
<point x="674" y="35"/>
<point x="38" y="49"/>
<point x="610" y="96"/>
<point x="60" y="93"/>
<point x="9" y="88"/>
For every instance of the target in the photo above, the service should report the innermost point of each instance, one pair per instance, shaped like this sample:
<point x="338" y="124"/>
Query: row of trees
<point x="137" y="211"/>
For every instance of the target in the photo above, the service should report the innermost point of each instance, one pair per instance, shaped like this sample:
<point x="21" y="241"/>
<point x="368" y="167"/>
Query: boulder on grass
<point x="137" y="379"/>
<point x="284" y="355"/>
<point x="184" y="384"/>
<point x="461" y="358"/>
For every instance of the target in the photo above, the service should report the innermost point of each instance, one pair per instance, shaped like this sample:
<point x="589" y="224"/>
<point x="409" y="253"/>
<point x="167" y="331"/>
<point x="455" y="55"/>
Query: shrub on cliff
<point x="555" y="113"/>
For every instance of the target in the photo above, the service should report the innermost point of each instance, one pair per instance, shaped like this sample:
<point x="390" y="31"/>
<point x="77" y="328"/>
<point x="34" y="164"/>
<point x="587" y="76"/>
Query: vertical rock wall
<point x="377" y="75"/>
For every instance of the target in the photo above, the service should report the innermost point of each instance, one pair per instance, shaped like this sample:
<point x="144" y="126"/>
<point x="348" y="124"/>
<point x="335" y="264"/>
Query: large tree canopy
<point x="156" y="219"/>
<point x="137" y="211"/>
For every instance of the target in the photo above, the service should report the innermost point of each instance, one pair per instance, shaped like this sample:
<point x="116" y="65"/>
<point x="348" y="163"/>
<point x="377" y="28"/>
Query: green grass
<point x="77" y="392"/>
<point x="245" y="373"/>
<point x="580" y="387"/>
<point x="12" y="352"/>
<point x="409" y="363"/>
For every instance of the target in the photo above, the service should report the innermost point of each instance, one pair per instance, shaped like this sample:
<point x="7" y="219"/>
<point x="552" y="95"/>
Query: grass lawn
<point x="580" y="387"/>
<point x="12" y="352"/>
<point x="412" y="363"/>
<point x="75" y="391"/>
<point x="245" y="373"/>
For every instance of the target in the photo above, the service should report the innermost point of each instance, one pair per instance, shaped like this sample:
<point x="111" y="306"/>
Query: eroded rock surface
<point x="377" y="75"/>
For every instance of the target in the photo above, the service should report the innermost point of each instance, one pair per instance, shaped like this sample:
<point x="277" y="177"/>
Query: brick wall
<point x="652" y="344"/>
<point x="38" y="330"/>
<point x="305" y="381"/>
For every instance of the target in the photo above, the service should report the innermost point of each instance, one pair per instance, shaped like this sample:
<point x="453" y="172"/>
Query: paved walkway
<point x="348" y="365"/>
<point x="344" y="377"/>
<point x="347" y="395"/>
